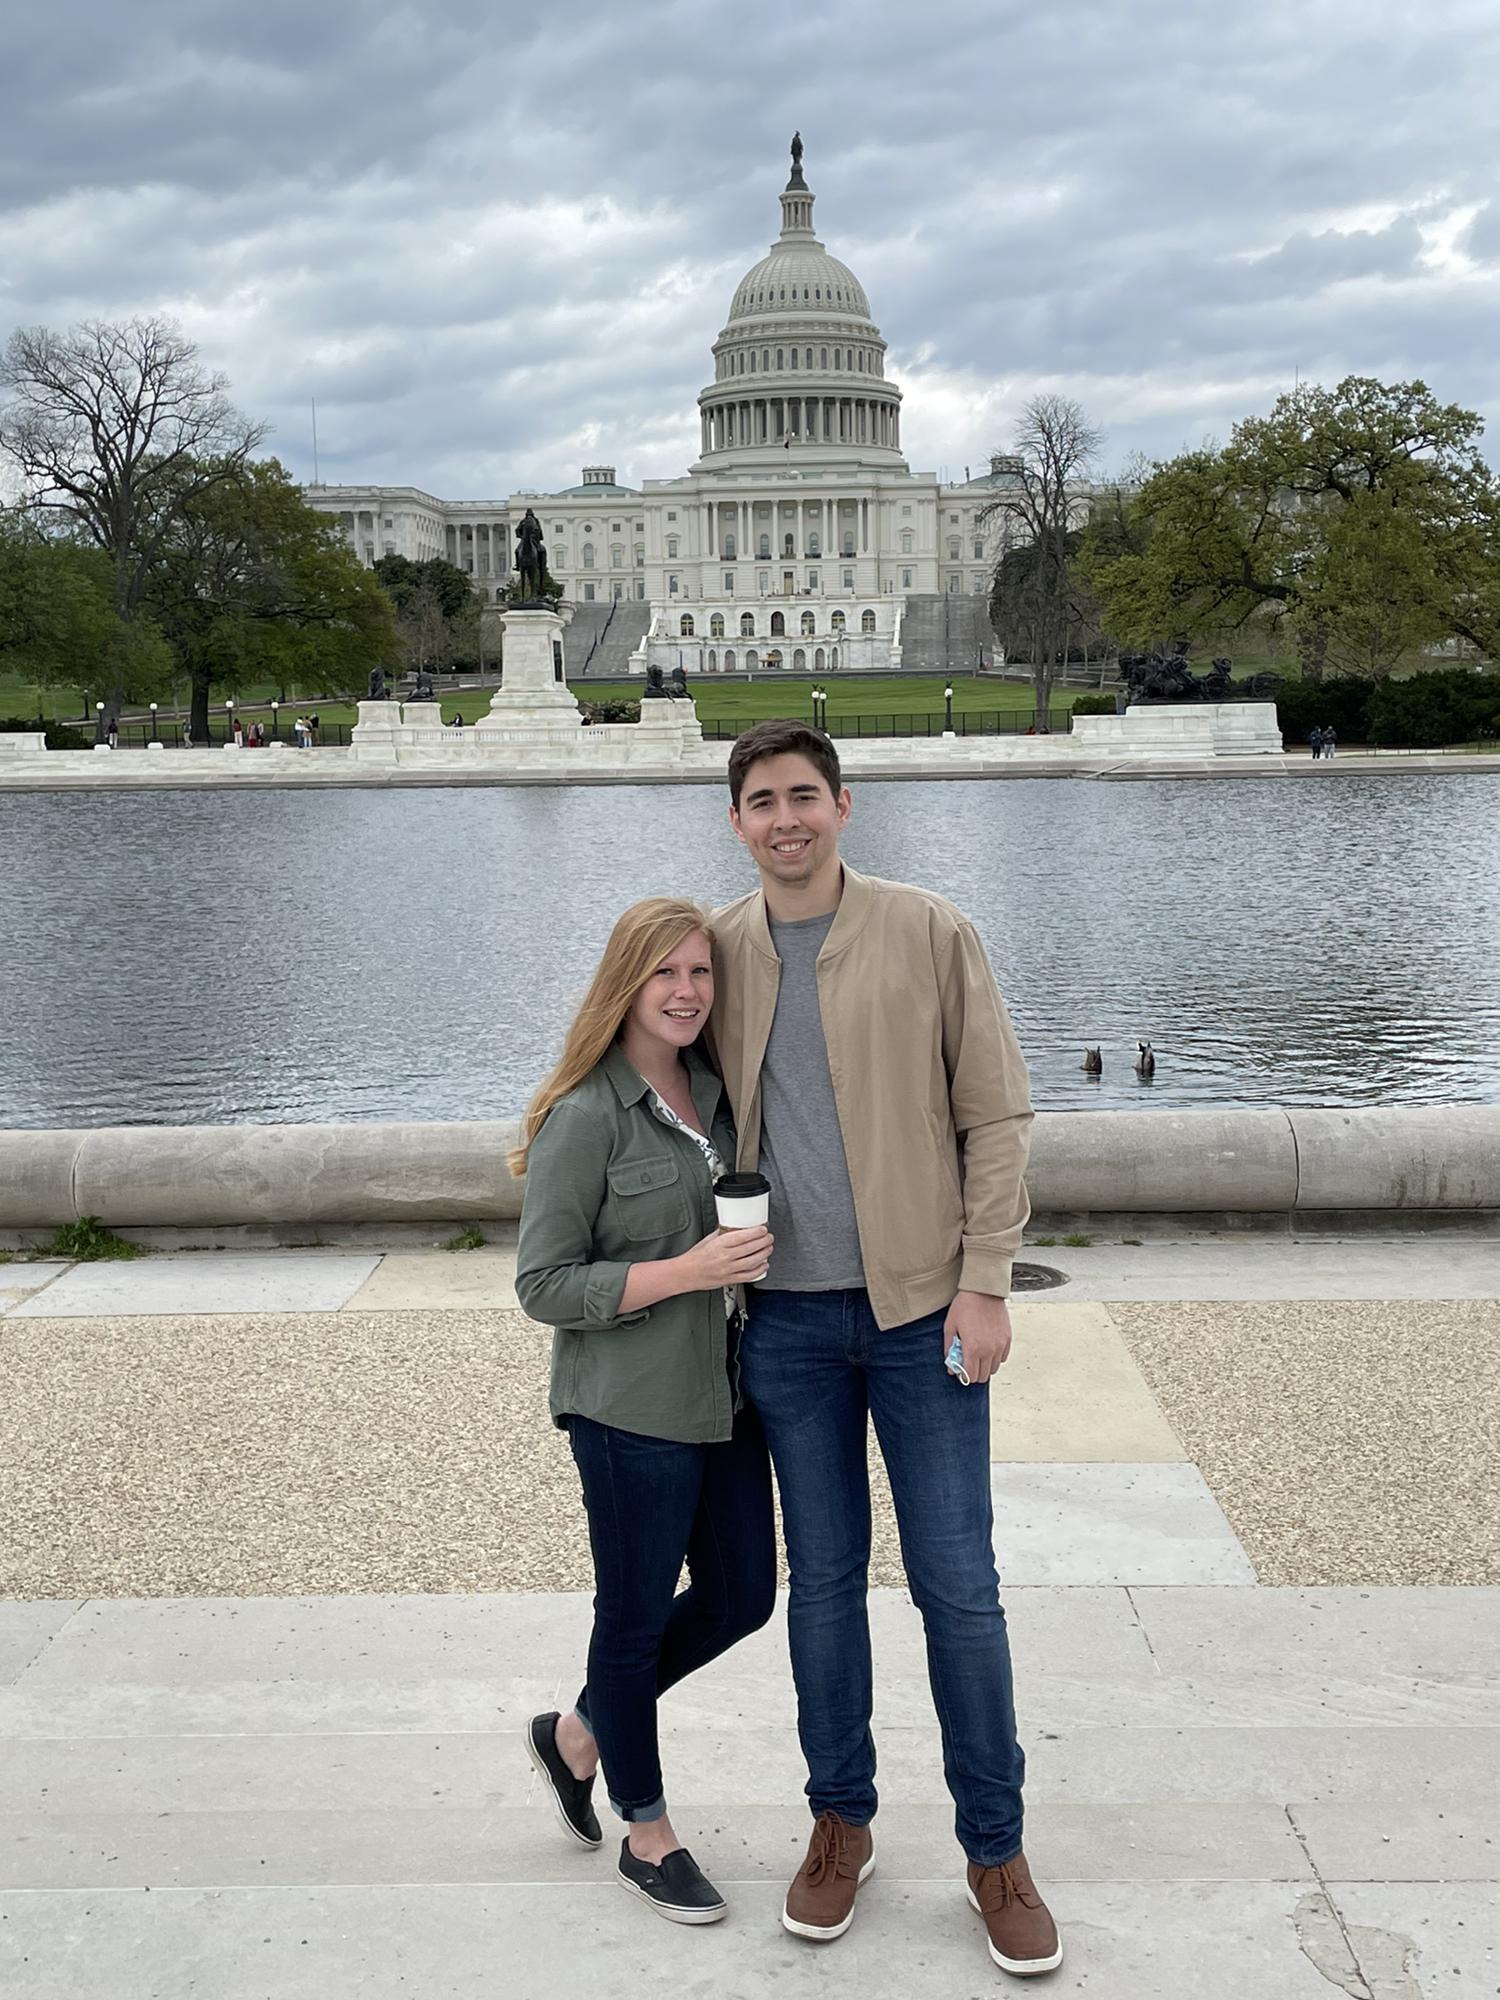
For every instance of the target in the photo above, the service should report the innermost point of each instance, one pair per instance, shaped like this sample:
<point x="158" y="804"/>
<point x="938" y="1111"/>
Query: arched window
<point x="765" y="359"/>
<point x="906" y="541"/>
<point x="752" y="661"/>
<point x="794" y="357"/>
<point x="848" y="541"/>
<point x="789" y="545"/>
<point x="616" y="557"/>
<point x="814" y="546"/>
<point x="562" y="556"/>
<point x="809" y="624"/>
<point x="779" y="362"/>
<point x="833" y="659"/>
<point x="765" y="547"/>
<point x="778" y="625"/>
<point x="953" y="548"/>
<point x="823" y="357"/>
<point x="799" y="662"/>
<point x="713" y="661"/>
<point x="773" y="658"/>
<point x="729" y="548"/>
<point x="729" y="662"/>
<point x="716" y="626"/>
<point x="671" y="548"/>
<point x="838" y="357"/>
<point x="686" y="627"/>
<point x="837" y="621"/>
<point x="747" y="624"/>
<point x="752" y="361"/>
<point x="818" y="661"/>
<point x="588" y="555"/>
<point x="867" y="623"/>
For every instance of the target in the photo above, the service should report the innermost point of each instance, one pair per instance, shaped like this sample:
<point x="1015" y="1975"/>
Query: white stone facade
<point x="800" y="492"/>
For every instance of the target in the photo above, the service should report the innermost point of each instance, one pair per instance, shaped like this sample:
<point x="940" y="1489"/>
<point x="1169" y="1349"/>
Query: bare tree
<point x="1037" y="603"/>
<point x="117" y="429"/>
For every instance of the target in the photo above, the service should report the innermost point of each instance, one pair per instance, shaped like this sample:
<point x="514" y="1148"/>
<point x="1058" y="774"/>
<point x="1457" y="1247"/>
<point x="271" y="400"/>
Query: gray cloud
<point x="493" y="249"/>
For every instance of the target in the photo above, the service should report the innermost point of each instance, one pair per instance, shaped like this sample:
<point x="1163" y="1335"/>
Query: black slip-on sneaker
<point x="572" y="1797"/>
<point x="676" y="1887"/>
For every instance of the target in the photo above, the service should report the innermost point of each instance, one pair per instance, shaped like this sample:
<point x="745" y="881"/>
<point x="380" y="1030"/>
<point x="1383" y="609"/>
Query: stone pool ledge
<point x="1295" y="1170"/>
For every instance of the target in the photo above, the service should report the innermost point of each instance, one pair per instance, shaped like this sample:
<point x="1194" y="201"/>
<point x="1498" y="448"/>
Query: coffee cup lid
<point x="741" y="1187"/>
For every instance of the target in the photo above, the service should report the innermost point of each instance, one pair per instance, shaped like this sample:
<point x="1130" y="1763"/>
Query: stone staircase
<point x="599" y="639"/>
<point x="945" y="633"/>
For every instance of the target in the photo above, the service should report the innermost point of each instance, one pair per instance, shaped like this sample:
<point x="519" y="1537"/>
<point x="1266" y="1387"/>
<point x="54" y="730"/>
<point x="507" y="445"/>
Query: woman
<point x="621" y="1254"/>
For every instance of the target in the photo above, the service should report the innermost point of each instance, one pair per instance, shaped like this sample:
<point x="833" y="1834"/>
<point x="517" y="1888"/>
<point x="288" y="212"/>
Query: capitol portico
<point x="800" y="495"/>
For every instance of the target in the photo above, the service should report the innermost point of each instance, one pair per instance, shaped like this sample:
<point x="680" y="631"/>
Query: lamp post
<point x="948" y="709"/>
<point x="275" y="721"/>
<point x="228" y="723"/>
<point x="155" y="734"/>
<point x="98" y="722"/>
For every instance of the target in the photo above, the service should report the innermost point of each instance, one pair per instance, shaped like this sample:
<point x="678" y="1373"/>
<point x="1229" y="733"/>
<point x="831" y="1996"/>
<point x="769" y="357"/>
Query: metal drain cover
<point x="1035" y="1278"/>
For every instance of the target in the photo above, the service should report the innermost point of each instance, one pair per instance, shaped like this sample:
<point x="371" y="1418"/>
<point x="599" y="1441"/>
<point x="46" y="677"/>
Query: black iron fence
<point x="925" y="722"/>
<point x="173" y="734"/>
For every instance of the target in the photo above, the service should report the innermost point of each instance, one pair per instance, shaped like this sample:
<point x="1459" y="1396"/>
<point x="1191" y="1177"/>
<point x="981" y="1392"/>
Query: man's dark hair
<point x="777" y="738"/>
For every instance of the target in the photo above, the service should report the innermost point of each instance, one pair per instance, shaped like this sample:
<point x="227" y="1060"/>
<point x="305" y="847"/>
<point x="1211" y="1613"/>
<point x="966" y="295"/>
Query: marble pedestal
<point x="531" y="700"/>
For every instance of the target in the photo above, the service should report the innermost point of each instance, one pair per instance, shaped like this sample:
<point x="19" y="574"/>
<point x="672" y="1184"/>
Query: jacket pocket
<point x="649" y="1198"/>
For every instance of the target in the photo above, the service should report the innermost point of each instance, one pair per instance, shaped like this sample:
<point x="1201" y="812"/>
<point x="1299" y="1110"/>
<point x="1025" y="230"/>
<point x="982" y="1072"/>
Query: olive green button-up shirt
<point x="609" y="1183"/>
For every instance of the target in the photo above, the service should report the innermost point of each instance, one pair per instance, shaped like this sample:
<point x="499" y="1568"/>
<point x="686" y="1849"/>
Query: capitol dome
<point x="800" y="363"/>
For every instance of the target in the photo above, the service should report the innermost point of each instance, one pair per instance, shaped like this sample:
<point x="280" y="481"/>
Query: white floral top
<point x="716" y="1168"/>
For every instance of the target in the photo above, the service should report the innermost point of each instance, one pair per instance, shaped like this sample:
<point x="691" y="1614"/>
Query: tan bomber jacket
<point x="933" y="1097"/>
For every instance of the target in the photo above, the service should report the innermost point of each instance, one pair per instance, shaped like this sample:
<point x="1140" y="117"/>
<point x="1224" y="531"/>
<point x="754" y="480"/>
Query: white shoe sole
<point x="1019" y="1968"/>
<point x="563" y="1821"/>
<point x="673" y="1912"/>
<point x="837" y="1931"/>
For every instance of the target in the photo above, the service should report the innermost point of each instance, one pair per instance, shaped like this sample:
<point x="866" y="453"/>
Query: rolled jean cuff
<point x="654" y="1809"/>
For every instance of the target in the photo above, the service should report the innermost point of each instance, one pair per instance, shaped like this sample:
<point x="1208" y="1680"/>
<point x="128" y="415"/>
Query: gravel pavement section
<point x="282" y="1454"/>
<point x="1348" y="1443"/>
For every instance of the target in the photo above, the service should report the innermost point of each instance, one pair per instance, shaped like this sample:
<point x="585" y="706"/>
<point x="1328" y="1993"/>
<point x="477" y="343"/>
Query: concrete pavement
<point x="289" y="1554"/>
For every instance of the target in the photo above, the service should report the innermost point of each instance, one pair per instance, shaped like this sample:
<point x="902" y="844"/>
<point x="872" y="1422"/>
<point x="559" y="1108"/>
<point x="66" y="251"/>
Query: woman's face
<point x="673" y="1004"/>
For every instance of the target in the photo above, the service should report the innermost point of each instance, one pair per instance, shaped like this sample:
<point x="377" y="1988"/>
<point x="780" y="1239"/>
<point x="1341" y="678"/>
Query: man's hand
<point x="982" y="1323"/>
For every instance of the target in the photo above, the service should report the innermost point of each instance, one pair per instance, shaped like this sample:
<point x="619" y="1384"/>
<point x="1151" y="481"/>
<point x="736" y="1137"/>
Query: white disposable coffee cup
<point x="744" y="1202"/>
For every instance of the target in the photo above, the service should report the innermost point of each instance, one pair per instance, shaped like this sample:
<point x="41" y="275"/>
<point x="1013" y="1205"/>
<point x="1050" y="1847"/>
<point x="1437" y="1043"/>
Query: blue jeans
<point x="816" y="1366"/>
<point x="652" y="1505"/>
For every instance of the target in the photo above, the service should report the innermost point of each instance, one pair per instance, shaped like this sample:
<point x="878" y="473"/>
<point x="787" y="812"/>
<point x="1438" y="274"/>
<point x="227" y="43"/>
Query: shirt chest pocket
<point x="649" y="1198"/>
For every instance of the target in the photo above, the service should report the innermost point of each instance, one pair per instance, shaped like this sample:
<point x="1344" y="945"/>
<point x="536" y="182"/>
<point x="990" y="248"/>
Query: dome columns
<point x="741" y="423"/>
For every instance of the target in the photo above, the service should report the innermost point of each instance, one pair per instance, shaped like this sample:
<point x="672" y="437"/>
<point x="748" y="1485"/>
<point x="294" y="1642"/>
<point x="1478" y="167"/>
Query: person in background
<point x="1315" y="743"/>
<point x="1330" y="742"/>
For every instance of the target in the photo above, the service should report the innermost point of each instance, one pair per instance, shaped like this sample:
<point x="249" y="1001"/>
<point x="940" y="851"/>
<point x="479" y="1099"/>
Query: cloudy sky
<point x="493" y="251"/>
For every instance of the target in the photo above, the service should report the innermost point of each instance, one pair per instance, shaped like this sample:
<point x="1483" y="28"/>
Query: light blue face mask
<point x="955" y="1362"/>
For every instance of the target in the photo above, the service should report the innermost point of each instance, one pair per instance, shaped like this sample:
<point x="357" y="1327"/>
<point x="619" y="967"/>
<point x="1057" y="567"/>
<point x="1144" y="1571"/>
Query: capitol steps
<point x="600" y="638"/>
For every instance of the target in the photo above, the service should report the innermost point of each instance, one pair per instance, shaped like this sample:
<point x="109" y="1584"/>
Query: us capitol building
<point x="799" y="538"/>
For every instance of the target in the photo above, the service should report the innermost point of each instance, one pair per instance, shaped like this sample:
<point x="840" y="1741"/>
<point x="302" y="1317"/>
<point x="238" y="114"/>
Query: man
<point x="877" y="1084"/>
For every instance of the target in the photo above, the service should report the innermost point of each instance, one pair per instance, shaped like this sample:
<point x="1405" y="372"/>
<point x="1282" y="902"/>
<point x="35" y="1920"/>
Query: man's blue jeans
<point x="816" y="1365"/>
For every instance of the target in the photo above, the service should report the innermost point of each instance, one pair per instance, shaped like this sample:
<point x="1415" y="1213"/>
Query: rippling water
<point x="194" y="958"/>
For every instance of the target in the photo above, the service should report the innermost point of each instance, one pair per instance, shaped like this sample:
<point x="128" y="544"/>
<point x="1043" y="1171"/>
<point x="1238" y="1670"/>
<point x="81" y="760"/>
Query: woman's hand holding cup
<point x="729" y="1257"/>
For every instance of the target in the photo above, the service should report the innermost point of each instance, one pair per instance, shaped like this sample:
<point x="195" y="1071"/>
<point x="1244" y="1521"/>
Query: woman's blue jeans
<point x="818" y="1367"/>
<point x="652" y="1505"/>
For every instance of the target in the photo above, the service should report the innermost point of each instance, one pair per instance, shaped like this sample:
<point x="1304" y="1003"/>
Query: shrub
<point x="60" y="736"/>
<point x="608" y="710"/>
<point x="1340" y="703"/>
<point x="1094" y="704"/>
<point x="1453" y="705"/>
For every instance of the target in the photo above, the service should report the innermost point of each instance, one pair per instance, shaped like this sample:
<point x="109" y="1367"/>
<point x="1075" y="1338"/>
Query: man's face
<point x="789" y="819"/>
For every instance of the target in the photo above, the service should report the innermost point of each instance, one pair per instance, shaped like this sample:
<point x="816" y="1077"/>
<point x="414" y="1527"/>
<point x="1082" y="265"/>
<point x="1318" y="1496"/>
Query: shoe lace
<point x="997" y="1888"/>
<point x="830" y="1843"/>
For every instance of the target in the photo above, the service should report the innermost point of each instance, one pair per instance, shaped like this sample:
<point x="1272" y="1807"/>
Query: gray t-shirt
<point x="801" y="1146"/>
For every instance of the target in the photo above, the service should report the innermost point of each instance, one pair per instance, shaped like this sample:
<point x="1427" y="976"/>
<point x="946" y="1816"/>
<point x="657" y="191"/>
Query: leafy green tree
<point x="254" y="585"/>
<point x="1362" y="519"/>
<point x="116" y="429"/>
<point x="437" y="612"/>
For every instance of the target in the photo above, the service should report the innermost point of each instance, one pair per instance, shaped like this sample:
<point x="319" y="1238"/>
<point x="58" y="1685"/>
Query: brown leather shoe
<point x="820" y="1902"/>
<point x="1023" y="1937"/>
